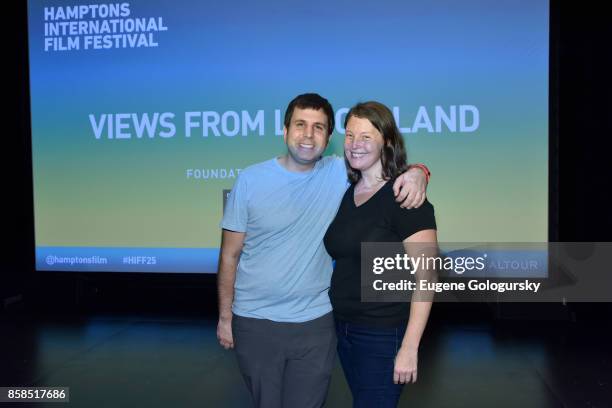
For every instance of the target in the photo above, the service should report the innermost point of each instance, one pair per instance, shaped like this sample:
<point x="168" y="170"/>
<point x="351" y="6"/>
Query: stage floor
<point x="160" y="361"/>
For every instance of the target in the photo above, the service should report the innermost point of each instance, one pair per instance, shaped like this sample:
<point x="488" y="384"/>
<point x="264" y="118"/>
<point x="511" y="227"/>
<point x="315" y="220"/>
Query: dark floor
<point x="150" y="360"/>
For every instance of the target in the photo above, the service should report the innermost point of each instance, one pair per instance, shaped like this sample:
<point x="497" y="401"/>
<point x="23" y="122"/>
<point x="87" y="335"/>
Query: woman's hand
<point x="405" y="370"/>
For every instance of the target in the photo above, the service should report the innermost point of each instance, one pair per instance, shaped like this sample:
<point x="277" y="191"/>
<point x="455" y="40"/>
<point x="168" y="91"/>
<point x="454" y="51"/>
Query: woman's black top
<point x="380" y="219"/>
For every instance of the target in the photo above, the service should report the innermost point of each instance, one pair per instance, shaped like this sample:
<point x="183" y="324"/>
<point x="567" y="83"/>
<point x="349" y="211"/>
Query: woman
<point x="377" y="342"/>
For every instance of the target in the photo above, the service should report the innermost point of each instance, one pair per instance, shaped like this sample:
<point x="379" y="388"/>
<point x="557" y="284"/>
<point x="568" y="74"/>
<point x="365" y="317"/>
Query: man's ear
<point x="285" y="133"/>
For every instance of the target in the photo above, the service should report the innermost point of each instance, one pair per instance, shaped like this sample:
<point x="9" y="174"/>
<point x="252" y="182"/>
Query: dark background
<point x="580" y="128"/>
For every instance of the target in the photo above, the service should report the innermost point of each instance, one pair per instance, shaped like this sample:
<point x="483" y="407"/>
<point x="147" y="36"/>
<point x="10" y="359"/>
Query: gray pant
<point x="285" y="364"/>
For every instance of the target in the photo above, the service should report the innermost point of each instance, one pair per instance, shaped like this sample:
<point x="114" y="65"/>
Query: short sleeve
<point x="406" y="222"/>
<point x="340" y="172"/>
<point x="235" y="214"/>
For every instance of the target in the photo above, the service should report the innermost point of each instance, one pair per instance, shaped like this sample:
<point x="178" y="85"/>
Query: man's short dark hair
<point x="311" y="101"/>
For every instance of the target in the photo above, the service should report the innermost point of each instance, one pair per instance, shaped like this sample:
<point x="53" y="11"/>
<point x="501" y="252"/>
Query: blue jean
<point x="367" y="356"/>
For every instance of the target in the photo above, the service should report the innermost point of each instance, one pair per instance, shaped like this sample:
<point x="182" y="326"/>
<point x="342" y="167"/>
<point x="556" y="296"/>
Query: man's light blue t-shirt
<point x="284" y="270"/>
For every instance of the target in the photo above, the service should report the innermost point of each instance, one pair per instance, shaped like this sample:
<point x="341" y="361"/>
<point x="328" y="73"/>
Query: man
<point x="273" y="305"/>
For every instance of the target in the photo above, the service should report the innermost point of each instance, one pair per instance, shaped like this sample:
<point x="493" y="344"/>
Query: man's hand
<point x="409" y="188"/>
<point x="224" y="333"/>
<point x="405" y="370"/>
<point x="231" y="247"/>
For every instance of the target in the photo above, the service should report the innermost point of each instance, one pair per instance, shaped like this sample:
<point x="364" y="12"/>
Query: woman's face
<point x="363" y="144"/>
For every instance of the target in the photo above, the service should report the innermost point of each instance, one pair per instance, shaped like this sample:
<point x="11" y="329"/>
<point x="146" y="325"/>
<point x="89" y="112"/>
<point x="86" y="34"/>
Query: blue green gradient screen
<point x="144" y="113"/>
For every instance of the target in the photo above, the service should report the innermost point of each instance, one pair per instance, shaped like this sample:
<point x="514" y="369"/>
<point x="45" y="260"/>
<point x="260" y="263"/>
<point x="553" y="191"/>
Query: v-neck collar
<point x="352" y="195"/>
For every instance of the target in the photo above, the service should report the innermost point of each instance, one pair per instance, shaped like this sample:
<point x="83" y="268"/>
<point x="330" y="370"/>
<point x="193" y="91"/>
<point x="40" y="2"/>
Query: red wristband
<point x="424" y="169"/>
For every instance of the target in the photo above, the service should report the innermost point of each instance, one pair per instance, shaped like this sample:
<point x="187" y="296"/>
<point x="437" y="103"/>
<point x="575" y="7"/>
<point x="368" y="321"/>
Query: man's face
<point x="306" y="137"/>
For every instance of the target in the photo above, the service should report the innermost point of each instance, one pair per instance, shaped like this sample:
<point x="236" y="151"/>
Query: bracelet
<point x="424" y="169"/>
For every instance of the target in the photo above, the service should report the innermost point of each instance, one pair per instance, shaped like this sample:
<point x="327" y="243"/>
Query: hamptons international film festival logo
<point x="98" y="27"/>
